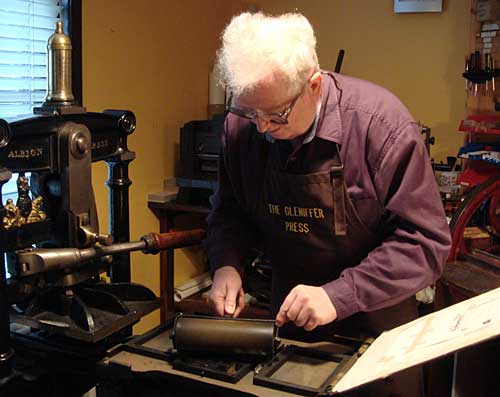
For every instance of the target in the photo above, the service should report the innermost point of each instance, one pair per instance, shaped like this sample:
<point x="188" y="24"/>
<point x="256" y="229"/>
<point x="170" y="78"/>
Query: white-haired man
<point x="330" y="175"/>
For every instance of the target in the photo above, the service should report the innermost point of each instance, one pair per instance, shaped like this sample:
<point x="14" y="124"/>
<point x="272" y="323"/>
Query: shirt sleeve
<point x="413" y="254"/>
<point x="230" y="233"/>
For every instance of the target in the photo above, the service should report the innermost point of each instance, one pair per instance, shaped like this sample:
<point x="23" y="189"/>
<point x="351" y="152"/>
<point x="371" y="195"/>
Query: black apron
<point x="296" y="217"/>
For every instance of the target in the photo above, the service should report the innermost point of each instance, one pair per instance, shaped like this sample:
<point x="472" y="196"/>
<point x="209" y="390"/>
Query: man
<point x="330" y="175"/>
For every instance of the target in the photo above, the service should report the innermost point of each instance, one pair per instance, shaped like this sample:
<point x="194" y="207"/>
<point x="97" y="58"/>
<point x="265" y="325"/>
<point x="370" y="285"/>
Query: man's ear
<point x="315" y="81"/>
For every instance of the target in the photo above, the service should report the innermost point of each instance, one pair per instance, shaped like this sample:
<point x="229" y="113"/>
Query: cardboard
<point x="464" y="324"/>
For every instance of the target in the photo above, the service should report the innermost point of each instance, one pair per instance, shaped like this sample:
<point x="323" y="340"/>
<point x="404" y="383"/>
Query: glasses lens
<point x="268" y="118"/>
<point x="252" y="114"/>
<point x="241" y="112"/>
<point x="276" y="119"/>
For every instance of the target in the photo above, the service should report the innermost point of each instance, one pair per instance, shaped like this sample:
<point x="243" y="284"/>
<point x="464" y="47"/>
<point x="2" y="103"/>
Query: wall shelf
<point x="481" y="124"/>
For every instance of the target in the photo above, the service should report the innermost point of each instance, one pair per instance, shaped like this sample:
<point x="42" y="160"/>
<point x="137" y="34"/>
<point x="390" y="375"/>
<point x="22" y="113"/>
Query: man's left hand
<point x="307" y="307"/>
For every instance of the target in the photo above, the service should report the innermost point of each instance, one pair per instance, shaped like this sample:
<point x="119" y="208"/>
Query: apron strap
<point x="339" y="218"/>
<point x="339" y="197"/>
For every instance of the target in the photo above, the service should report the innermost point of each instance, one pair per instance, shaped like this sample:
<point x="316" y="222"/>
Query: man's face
<point x="271" y="97"/>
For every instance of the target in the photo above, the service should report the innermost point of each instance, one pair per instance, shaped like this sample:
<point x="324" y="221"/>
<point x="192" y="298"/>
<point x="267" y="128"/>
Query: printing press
<point x="58" y="313"/>
<point x="50" y="239"/>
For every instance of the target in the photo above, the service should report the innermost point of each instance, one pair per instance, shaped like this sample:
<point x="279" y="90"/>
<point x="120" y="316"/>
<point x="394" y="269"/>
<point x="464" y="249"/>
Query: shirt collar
<point x="329" y="123"/>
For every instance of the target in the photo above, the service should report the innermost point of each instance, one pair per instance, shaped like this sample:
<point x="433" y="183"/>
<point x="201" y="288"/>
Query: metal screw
<point x="81" y="144"/>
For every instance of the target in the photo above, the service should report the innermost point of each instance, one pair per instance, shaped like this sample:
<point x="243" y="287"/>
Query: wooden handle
<point x="179" y="239"/>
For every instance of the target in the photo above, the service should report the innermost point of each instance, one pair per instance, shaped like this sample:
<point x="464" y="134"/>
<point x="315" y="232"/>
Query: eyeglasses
<point x="277" y="118"/>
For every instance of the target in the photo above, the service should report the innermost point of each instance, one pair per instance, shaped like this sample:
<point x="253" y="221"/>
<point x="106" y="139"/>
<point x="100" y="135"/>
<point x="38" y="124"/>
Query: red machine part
<point x="489" y="190"/>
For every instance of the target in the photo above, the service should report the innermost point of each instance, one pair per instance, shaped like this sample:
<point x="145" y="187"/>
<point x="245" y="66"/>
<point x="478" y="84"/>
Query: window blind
<point x="25" y="26"/>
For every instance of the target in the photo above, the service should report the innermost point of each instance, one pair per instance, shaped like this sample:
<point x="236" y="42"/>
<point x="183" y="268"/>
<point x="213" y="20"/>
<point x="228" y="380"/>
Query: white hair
<point x="258" y="46"/>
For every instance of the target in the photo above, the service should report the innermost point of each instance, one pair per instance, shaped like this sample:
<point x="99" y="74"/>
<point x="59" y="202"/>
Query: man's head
<point x="270" y="67"/>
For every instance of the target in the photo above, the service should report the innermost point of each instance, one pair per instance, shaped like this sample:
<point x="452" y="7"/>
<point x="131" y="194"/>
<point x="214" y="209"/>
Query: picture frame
<point x="406" y="6"/>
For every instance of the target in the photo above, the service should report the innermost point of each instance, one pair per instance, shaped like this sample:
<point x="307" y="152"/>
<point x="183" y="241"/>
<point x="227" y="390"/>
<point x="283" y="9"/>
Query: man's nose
<point x="262" y="124"/>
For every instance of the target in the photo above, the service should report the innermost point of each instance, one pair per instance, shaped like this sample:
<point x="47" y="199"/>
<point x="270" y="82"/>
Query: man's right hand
<point x="226" y="297"/>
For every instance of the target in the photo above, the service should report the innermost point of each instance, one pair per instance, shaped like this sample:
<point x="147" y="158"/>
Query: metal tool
<point x="466" y="71"/>
<point x="477" y="68"/>
<point x="493" y="73"/>
<point x="487" y="69"/>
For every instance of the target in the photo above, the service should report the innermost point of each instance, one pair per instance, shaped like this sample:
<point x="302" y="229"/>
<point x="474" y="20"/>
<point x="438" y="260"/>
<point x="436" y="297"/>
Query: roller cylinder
<point x="229" y="336"/>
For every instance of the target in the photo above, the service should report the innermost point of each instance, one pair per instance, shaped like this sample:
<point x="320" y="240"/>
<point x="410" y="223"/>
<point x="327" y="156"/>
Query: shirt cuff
<point x="342" y="297"/>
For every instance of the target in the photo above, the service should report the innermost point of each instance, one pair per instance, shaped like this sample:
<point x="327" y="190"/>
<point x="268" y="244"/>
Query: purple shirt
<point x="389" y="180"/>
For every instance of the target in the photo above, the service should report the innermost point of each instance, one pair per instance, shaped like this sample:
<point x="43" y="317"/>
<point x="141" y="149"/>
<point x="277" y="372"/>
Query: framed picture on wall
<point x="418" y="6"/>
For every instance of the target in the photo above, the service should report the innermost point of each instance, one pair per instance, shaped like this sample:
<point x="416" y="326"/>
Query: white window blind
<point x="25" y="26"/>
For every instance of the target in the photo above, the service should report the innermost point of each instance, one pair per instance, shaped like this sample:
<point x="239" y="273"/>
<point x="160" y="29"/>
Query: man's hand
<point x="307" y="307"/>
<point x="226" y="295"/>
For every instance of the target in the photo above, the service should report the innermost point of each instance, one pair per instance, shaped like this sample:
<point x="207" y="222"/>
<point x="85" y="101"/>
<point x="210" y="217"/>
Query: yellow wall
<point x="153" y="58"/>
<point x="419" y="57"/>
